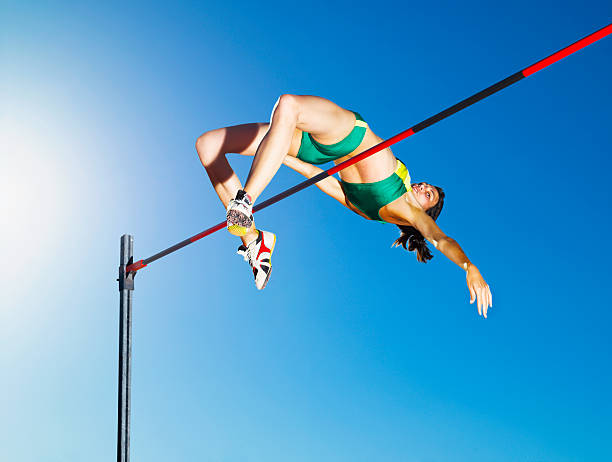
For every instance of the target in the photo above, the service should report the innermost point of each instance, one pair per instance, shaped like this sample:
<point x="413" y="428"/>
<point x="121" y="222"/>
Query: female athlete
<point x="308" y="130"/>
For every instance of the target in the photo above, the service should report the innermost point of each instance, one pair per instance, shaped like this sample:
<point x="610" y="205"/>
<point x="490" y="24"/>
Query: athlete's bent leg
<point x="212" y="148"/>
<point x="325" y="120"/>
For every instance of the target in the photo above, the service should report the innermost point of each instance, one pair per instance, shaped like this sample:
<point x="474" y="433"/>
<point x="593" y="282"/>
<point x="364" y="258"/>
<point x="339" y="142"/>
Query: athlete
<point x="309" y="130"/>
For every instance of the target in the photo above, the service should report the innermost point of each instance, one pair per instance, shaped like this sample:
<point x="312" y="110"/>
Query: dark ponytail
<point x="411" y="238"/>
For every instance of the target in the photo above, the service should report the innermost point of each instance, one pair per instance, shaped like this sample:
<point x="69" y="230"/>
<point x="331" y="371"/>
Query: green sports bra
<point x="371" y="197"/>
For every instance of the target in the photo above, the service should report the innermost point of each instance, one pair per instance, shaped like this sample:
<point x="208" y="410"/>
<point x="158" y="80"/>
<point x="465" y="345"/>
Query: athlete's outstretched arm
<point x="416" y="217"/>
<point x="477" y="286"/>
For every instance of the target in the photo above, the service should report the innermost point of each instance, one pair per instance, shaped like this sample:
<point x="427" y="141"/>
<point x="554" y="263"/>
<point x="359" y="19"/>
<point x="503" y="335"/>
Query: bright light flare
<point x="34" y="206"/>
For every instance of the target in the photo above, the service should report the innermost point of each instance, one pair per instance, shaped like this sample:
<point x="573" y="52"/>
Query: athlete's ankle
<point x="252" y="193"/>
<point x="250" y="236"/>
<point x="242" y="195"/>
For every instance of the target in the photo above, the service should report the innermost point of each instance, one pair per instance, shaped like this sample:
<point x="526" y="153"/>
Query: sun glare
<point x="33" y="204"/>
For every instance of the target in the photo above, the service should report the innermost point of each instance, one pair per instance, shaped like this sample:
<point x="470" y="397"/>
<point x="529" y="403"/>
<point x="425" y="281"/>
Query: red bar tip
<point x="135" y="266"/>
<point x="579" y="45"/>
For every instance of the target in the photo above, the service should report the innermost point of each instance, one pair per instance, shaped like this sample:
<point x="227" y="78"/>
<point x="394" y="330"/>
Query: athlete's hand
<point x="479" y="290"/>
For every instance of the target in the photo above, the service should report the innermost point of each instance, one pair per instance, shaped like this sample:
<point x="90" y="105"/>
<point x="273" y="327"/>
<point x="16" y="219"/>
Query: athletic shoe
<point x="258" y="253"/>
<point x="240" y="214"/>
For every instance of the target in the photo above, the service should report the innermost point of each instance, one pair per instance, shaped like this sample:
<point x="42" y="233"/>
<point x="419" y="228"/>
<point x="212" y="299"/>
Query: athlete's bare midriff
<point x="374" y="168"/>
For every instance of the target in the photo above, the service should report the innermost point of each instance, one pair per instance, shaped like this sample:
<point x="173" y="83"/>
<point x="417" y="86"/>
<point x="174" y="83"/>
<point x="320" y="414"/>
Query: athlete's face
<point x="426" y="195"/>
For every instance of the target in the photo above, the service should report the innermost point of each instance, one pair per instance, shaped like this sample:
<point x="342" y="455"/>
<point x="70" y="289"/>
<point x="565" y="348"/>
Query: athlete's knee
<point x="208" y="146"/>
<point x="286" y="108"/>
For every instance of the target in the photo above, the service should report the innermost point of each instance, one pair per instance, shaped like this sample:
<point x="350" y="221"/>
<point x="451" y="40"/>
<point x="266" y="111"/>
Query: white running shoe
<point x="240" y="214"/>
<point x="259" y="253"/>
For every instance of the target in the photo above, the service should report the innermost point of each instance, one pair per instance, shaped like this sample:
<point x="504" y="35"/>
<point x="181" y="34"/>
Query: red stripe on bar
<point x="208" y="231"/>
<point x="135" y="266"/>
<point x="601" y="33"/>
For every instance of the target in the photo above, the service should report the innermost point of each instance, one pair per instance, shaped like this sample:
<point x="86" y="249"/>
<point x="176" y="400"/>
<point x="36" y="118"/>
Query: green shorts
<point x="371" y="197"/>
<point x="313" y="152"/>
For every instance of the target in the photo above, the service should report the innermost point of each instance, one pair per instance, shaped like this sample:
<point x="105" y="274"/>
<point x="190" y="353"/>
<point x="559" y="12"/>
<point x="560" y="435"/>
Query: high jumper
<point x="309" y="130"/>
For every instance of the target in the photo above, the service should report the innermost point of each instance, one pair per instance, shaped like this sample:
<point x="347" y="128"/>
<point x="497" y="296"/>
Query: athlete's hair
<point x="412" y="239"/>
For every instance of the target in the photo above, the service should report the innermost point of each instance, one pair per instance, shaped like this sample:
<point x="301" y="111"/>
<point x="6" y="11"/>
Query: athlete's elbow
<point x="443" y="243"/>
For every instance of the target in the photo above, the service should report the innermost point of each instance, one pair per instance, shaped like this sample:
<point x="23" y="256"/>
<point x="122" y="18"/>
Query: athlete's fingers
<point x="472" y="294"/>
<point x="479" y="296"/>
<point x="485" y="302"/>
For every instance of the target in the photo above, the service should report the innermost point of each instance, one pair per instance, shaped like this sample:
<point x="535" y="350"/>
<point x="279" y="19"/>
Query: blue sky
<point x="354" y="351"/>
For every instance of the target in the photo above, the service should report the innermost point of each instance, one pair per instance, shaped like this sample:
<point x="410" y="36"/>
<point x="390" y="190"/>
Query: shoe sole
<point x="266" y="281"/>
<point x="238" y="223"/>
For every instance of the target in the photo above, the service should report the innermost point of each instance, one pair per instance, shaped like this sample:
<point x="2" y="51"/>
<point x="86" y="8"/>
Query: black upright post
<point x="126" y="286"/>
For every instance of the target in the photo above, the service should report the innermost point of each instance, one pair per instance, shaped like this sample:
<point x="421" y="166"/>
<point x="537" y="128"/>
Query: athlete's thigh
<point x="244" y="139"/>
<point x="325" y="120"/>
<point x="240" y="139"/>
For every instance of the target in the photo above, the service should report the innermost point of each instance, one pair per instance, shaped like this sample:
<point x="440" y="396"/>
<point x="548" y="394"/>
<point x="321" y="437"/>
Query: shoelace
<point x="246" y="254"/>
